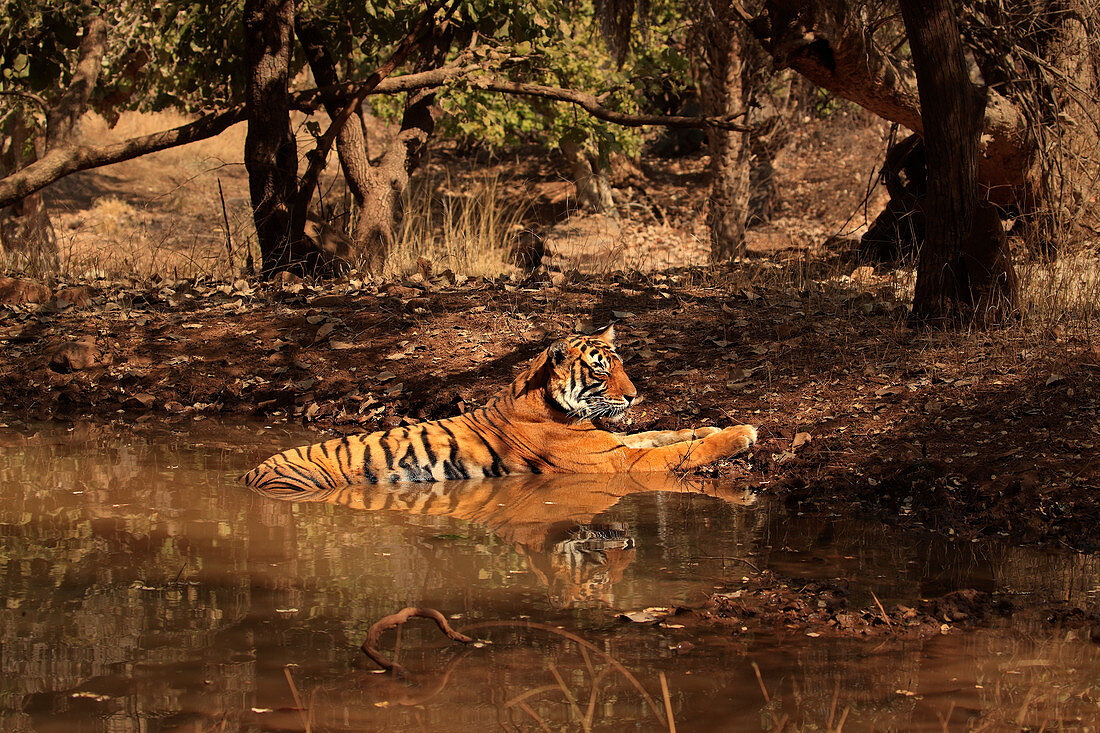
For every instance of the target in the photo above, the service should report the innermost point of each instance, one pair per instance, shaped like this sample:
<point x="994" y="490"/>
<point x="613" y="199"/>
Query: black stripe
<point x="554" y="404"/>
<point x="497" y="468"/>
<point x="413" y="470"/>
<point x="386" y="449"/>
<point x="428" y="452"/>
<point x="339" y="463"/>
<point x="322" y="465"/>
<point x="368" y="459"/>
<point x="534" y="467"/>
<point x="453" y="462"/>
<point x="305" y="477"/>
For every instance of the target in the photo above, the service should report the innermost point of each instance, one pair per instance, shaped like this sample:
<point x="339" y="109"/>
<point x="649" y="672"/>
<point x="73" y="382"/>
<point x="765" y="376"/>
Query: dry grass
<point x="469" y="232"/>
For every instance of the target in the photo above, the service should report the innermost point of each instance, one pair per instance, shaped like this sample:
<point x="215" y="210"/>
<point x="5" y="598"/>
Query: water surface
<point x="144" y="589"/>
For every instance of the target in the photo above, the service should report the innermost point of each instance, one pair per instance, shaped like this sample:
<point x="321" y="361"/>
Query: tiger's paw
<point x="704" y="432"/>
<point x="736" y="438"/>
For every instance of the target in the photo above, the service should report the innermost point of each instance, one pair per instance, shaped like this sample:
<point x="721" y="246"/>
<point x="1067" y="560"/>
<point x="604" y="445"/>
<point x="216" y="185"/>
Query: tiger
<point x="554" y="521"/>
<point x="544" y="422"/>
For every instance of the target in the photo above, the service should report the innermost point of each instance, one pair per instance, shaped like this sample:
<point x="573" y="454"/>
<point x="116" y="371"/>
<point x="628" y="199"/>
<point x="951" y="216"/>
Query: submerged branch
<point x="397" y="619"/>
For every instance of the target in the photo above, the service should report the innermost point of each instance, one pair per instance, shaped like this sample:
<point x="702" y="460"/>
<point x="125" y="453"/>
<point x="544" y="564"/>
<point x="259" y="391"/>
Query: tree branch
<point x="29" y="96"/>
<point x="590" y="104"/>
<point x="63" y="161"/>
<point x="62" y="118"/>
<point x="60" y="162"/>
<point x="318" y="155"/>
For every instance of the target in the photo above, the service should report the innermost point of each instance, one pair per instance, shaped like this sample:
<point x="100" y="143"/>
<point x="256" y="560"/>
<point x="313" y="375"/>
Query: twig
<point x="882" y="610"/>
<point x="297" y="698"/>
<point x="569" y="696"/>
<point x="530" y="693"/>
<point x="668" y="704"/>
<point x="574" y="638"/>
<point x="225" y="219"/>
<point x="843" y="716"/>
<point x="760" y="680"/>
<point x="527" y="709"/>
<point x="590" y="104"/>
<point x="396" y="619"/>
<point x="29" y="96"/>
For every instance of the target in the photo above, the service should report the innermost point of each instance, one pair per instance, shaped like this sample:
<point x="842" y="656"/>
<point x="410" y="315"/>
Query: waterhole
<point x="143" y="588"/>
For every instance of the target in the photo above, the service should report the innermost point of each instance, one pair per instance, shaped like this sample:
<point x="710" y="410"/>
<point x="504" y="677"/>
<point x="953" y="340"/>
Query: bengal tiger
<point x="542" y="423"/>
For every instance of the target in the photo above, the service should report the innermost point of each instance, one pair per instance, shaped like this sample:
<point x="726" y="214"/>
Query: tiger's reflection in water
<point x="550" y="519"/>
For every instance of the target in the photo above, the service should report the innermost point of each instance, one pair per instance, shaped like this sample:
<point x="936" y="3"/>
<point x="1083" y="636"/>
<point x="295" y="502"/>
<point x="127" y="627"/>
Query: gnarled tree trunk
<point x="964" y="270"/>
<point x="722" y="87"/>
<point x="270" y="152"/>
<point x="27" y="238"/>
<point x="589" y="179"/>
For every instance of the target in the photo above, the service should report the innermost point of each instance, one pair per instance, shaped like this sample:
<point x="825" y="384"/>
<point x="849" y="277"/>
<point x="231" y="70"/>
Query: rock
<point x="20" y="290"/>
<point x="329" y="301"/>
<point x="527" y="251"/>
<point x="141" y="399"/>
<point x="284" y="278"/>
<point x="73" y="297"/>
<point x="78" y="355"/>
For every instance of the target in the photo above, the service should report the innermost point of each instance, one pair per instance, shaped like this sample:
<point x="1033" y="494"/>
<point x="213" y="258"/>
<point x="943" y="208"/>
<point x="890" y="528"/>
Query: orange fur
<point x="542" y="423"/>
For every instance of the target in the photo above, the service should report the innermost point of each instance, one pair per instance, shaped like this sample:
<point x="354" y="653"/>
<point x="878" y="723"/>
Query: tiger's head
<point x="585" y="377"/>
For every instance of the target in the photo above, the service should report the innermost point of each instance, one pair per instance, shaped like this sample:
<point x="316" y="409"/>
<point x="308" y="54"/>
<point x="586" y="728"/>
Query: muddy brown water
<point x="144" y="589"/>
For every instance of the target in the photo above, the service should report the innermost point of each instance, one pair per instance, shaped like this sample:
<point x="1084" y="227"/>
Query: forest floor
<point x="975" y="434"/>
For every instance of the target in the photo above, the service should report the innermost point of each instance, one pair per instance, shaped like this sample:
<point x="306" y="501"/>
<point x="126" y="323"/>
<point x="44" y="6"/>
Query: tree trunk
<point x="722" y="92"/>
<point x="351" y="143"/>
<point x="27" y="238"/>
<point x="589" y="179"/>
<point x="270" y="153"/>
<point x="964" y="271"/>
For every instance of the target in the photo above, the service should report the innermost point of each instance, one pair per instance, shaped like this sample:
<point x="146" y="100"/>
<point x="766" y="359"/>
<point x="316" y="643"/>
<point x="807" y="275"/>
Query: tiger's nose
<point x="630" y="398"/>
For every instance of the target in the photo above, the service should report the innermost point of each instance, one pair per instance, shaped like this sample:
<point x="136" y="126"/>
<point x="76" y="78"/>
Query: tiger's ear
<point x="607" y="335"/>
<point x="557" y="351"/>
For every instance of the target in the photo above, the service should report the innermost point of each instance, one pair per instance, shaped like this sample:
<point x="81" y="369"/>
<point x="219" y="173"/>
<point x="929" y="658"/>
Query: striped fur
<point x="542" y="423"/>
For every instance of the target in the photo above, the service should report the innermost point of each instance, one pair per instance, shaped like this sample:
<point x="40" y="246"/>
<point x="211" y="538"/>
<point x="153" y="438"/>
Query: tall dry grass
<point x="468" y="231"/>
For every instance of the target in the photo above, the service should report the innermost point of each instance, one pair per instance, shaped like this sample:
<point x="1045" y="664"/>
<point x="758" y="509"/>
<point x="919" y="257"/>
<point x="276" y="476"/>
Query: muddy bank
<point x="988" y="434"/>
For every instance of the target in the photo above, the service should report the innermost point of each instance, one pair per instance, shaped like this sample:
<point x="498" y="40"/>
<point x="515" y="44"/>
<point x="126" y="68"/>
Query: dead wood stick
<point x="397" y="619"/>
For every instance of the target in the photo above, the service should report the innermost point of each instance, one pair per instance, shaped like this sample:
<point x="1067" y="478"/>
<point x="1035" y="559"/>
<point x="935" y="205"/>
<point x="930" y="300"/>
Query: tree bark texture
<point x="589" y="179"/>
<point x="27" y="238"/>
<point x="270" y="153"/>
<point x="826" y="41"/>
<point x="61" y="118"/>
<point x="964" y="269"/>
<point x="351" y="143"/>
<point x="723" y="93"/>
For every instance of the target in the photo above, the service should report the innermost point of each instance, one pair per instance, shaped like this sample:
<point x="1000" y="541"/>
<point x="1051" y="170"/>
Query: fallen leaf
<point x="801" y="439"/>
<point x="640" y="617"/>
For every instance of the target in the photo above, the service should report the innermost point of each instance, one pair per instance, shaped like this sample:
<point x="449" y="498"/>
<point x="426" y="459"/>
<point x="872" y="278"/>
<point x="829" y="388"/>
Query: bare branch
<point x="592" y="106"/>
<point x="397" y="619"/>
<point x="60" y="162"/>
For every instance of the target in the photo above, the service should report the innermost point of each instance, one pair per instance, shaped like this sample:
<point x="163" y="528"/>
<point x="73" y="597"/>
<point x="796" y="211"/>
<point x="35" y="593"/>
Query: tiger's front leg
<point x="691" y="453"/>
<point x="658" y="438"/>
